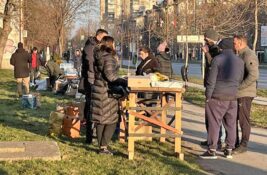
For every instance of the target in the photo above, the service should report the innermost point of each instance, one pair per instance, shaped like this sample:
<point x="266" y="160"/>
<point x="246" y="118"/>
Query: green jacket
<point x="53" y="69"/>
<point x="248" y="87"/>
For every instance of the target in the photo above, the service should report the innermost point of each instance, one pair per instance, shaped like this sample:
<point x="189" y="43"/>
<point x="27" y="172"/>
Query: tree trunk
<point x="256" y="26"/>
<point x="3" y="39"/>
<point x="61" y="41"/>
<point x="6" y="30"/>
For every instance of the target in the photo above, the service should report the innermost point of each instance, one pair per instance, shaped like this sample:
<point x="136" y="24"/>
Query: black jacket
<point x="148" y="65"/>
<point x="165" y="64"/>
<point x="213" y="52"/>
<point x="104" y="107"/>
<point x="21" y="60"/>
<point x="88" y="60"/>
<point x="225" y="75"/>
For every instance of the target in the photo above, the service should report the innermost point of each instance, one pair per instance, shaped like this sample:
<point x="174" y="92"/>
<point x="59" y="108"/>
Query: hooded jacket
<point x="21" y="60"/>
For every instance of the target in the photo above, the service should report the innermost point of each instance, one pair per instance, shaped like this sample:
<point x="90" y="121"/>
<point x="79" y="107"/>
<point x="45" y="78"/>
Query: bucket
<point x="29" y="101"/>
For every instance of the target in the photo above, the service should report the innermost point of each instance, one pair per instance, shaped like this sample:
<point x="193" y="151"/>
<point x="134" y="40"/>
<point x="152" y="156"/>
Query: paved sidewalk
<point x="257" y="100"/>
<point x="252" y="162"/>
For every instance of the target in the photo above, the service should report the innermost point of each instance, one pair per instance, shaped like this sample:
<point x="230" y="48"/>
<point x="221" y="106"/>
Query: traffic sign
<point x="190" y="38"/>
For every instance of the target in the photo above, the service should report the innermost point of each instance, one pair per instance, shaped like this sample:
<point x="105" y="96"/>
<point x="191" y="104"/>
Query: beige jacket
<point x="248" y="87"/>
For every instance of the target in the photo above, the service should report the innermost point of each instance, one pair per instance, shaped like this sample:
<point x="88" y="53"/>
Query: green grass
<point x="18" y="124"/>
<point x="262" y="92"/>
<point x="195" y="96"/>
<point x="258" y="112"/>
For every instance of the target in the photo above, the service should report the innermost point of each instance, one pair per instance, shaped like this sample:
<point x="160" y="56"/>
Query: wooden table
<point x="136" y="110"/>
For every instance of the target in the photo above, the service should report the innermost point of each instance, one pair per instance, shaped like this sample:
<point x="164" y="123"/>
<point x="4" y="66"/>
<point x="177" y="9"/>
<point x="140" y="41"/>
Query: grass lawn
<point x="258" y="115"/>
<point x="18" y="124"/>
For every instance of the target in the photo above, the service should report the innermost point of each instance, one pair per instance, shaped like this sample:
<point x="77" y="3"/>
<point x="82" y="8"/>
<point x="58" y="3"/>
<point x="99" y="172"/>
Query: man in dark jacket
<point x="164" y="60"/>
<point x="246" y="91"/>
<point x="88" y="75"/>
<point x="226" y="74"/>
<point x="21" y="60"/>
<point x="211" y="50"/>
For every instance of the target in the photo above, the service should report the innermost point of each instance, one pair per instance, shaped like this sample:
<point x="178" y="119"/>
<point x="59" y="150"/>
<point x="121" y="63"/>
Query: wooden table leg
<point x="131" y="129"/>
<point x="163" y="117"/>
<point x="123" y="123"/>
<point x="178" y="124"/>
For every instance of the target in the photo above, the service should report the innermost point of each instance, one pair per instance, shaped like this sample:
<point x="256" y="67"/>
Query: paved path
<point x="253" y="162"/>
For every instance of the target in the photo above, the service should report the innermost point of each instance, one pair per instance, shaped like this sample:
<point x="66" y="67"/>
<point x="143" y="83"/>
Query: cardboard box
<point x="139" y="81"/>
<point x="71" y="127"/>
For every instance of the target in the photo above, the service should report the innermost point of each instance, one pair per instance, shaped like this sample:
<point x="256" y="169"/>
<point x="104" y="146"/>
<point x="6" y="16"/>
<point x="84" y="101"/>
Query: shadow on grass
<point x="33" y="120"/>
<point x="166" y="157"/>
<point x="2" y="172"/>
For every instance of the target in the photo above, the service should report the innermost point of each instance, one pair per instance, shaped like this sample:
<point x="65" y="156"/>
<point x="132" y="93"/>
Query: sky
<point x="93" y="15"/>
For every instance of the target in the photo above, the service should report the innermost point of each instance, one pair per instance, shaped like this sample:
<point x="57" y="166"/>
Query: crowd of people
<point x="231" y="73"/>
<point x="231" y="76"/>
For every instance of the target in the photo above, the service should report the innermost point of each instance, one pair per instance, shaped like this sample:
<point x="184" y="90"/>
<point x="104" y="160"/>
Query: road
<point x="195" y="71"/>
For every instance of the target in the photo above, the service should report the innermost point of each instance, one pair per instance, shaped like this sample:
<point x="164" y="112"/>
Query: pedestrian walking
<point x="104" y="106"/>
<point x="225" y="75"/>
<point x="88" y="77"/>
<point x="246" y="91"/>
<point x="21" y="60"/>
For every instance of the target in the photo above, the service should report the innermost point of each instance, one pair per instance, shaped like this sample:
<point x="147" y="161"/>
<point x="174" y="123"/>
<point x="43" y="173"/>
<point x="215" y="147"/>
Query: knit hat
<point x="211" y="34"/>
<point x="226" y="43"/>
<point x="20" y="45"/>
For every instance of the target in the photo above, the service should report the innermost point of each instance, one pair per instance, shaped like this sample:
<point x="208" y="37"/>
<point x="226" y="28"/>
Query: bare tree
<point x="64" y="13"/>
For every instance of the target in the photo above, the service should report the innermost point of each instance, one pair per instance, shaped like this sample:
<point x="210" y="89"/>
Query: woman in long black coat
<point x="104" y="106"/>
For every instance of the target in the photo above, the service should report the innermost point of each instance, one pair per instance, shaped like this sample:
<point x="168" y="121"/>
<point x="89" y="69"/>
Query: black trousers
<point x="88" y="117"/>
<point x="104" y="133"/>
<point x="53" y="80"/>
<point x="219" y="112"/>
<point x="243" y="118"/>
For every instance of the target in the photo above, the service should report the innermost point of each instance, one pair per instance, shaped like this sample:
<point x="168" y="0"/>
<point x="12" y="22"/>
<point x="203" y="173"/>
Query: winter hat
<point x="20" y="45"/>
<point x="211" y="34"/>
<point x="226" y="43"/>
<point x="162" y="46"/>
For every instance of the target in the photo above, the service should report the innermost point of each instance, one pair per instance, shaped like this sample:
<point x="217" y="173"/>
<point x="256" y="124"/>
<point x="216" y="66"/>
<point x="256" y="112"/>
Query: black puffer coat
<point x="104" y="107"/>
<point x="87" y="71"/>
